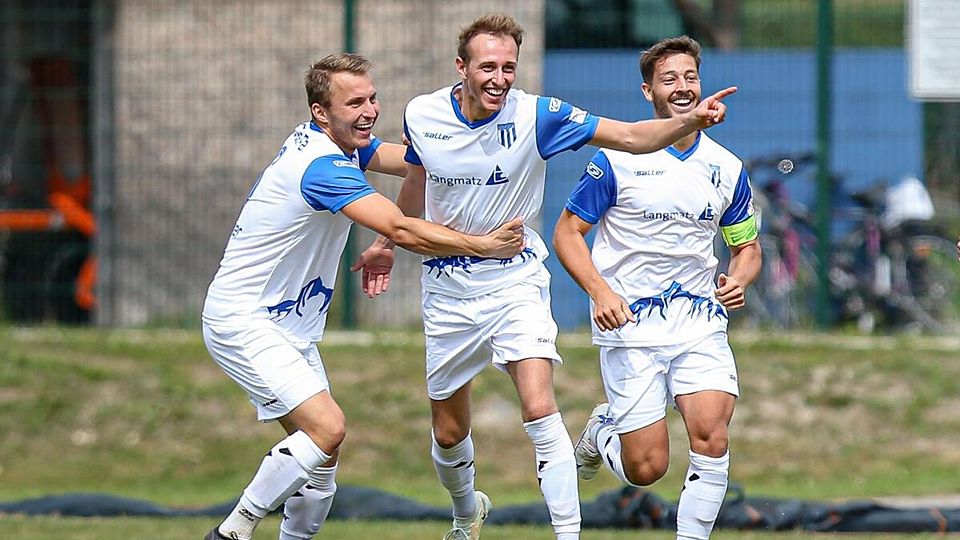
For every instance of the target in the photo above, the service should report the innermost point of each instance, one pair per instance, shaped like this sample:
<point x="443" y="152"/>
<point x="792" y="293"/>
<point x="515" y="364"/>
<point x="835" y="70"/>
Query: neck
<point x="686" y="142"/>
<point x="345" y="148"/>
<point x="471" y="110"/>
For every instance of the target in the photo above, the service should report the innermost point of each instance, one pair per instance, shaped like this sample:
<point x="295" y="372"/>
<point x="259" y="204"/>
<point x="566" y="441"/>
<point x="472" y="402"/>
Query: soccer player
<point x="267" y="305"/>
<point x="658" y="317"/>
<point x="477" y="155"/>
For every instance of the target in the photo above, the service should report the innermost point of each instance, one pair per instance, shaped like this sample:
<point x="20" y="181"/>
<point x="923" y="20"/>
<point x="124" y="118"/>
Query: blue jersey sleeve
<point x="741" y="207"/>
<point x="332" y="182"/>
<point x="366" y="154"/>
<point x="561" y="126"/>
<point x="411" y="155"/>
<point x="596" y="192"/>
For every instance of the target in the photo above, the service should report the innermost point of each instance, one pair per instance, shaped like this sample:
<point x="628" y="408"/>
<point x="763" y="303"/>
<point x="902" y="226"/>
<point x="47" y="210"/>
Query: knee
<point x="449" y="436"/>
<point x="645" y="472"/>
<point x="329" y="432"/>
<point x="712" y="443"/>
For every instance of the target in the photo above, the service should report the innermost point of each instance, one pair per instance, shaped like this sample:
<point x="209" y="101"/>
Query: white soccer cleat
<point x="472" y="530"/>
<point x="586" y="453"/>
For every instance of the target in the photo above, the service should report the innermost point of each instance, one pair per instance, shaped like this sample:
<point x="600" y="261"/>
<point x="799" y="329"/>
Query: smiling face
<point x="352" y="112"/>
<point x="487" y="74"/>
<point x="675" y="85"/>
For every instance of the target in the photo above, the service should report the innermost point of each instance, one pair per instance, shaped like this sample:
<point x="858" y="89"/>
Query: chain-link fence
<point x="131" y="130"/>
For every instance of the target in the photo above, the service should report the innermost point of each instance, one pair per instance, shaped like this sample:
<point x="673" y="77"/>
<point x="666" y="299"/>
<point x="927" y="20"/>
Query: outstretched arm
<point x="377" y="213"/>
<point x="376" y="262"/>
<point x="745" y="262"/>
<point x="610" y="311"/>
<point x="652" y="135"/>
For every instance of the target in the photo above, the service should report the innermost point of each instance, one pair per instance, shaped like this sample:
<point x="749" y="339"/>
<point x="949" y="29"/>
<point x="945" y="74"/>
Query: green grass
<point x="147" y="414"/>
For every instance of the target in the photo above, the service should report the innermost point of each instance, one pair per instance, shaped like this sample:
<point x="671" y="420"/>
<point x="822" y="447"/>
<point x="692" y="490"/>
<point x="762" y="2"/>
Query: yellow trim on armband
<point x="740" y="233"/>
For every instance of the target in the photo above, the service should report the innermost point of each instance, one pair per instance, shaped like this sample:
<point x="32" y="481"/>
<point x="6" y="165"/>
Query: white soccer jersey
<point x="281" y="260"/>
<point x="482" y="174"/>
<point x="659" y="214"/>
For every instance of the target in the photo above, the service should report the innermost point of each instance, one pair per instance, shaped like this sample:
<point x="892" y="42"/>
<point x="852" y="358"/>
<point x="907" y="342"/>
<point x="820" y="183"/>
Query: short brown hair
<point x="496" y="24"/>
<point x="318" y="76"/>
<point x="664" y="48"/>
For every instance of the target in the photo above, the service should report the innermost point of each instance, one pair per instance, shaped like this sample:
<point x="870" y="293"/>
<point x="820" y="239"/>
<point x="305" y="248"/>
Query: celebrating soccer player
<point x="267" y="304"/>
<point x="477" y="155"/>
<point x="658" y="316"/>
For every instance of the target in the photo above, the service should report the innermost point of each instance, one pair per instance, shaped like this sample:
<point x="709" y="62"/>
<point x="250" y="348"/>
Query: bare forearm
<point x="641" y="137"/>
<point x="428" y="238"/>
<point x="574" y="255"/>
<point x="745" y="264"/>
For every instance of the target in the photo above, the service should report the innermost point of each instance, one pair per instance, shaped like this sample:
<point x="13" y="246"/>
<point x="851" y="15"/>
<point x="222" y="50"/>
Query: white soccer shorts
<point x="641" y="382"/>
<point x="464" y="335"/>
<point x="278" y="375"/>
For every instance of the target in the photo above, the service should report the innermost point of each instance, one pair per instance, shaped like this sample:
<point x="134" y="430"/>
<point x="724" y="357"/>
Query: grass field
<point x="146" y="414"/>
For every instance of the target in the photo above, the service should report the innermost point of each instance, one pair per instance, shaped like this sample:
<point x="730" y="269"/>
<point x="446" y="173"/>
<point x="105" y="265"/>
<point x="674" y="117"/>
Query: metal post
<point x="824" y="208"/>
<point x="348" y="318"/>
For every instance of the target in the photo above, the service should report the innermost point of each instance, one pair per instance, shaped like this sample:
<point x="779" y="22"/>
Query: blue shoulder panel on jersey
<point x="739" y="208"/>
<point x="366" y="154"/>
<point x="410" y="156"/>
<point x="596" y="192"/>
<point x="332" y="182"/>
<point x="561" y="126"/>
<point x="682" y="156"/>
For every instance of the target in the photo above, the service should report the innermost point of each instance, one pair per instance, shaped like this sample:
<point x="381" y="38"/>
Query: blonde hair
<point x="318" y="76"/>
<point x="496" y="25"/>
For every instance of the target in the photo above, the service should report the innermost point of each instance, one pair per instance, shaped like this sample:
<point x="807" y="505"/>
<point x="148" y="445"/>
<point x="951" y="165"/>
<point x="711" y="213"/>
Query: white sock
<point x="306" y="510"/>
<point x="557" y="473"/>
<point x="282" y="472"/>
<point x="456" y="470"/>
<point x="702" y="495"/>
<point x="608" y="443"/>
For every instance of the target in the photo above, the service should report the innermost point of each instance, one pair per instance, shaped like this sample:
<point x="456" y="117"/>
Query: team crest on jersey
<point x="507" y="134"/>
<point x="715" y="175"/>
<point x="497" y="177"/>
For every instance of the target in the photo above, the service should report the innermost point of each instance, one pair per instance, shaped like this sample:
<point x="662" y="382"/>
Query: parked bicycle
<point x="890" y="268"/>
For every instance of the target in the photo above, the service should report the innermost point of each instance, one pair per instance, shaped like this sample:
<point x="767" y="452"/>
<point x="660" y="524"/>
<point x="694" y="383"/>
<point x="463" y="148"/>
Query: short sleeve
<point x="410" y="156"/>
<point x="596" y="192"/>
<point x="332" y="182"/>
<point x="561" y="126"/>
<point x="366" y="154"/>
<point x="738" y="223"/>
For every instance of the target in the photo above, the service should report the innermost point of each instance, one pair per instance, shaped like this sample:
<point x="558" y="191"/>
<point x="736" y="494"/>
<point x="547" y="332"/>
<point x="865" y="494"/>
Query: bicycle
<point x="882" y="275"/>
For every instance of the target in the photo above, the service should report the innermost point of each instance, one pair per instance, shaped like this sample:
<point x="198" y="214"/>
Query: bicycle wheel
<point x="934" y="280"/>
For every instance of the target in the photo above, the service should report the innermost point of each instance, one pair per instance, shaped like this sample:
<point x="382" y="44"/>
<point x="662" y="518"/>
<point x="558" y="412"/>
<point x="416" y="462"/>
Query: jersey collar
<point x="462" y="118"/>
<point x="682" y="156"/>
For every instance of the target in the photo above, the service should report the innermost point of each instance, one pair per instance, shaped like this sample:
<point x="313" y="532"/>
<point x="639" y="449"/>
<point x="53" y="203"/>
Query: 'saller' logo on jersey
<point x="715" y="175"/>
<point x="594" y="170"/>
<point x="554" y="105"/>
<point x="708" y="213"/>
<point x="507" y="134"/>
<point x="497" y="177"/>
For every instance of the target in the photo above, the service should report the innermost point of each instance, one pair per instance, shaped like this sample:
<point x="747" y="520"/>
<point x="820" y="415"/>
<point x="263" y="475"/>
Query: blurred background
<point x="131" y="130"/>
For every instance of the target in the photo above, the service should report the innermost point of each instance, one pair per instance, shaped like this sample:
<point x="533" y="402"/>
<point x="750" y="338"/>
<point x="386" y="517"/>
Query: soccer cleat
<point x="215" y="535"/>
<point x="472" y="531"/>
<point x="586" y="453"/>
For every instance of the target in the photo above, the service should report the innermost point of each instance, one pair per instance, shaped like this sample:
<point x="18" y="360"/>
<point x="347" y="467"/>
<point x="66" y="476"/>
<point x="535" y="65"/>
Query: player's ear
<point x="647" y="91"/>
<point x="319" y="114"/>
<point x="461" y="68"/>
